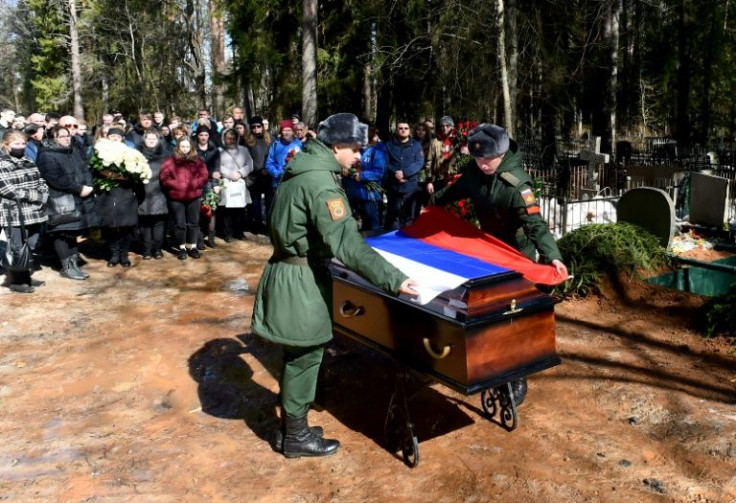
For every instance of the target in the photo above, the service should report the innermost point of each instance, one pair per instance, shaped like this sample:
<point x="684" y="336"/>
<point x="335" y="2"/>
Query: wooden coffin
<point x="486" y="332"/>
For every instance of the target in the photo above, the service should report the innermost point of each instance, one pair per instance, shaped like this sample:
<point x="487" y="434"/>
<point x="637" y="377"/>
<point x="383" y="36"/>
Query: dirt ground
<point x="146" y="385"/>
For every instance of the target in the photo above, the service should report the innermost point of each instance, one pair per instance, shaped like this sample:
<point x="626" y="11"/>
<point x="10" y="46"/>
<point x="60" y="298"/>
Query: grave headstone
<point x="596" y="160"/>
<point x="708" y="195"/>
<point x="651" y="209"/>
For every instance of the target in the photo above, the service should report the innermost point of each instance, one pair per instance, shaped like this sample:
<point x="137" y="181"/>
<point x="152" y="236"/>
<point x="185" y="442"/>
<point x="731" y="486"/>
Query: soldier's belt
<point x="297" y="260"/>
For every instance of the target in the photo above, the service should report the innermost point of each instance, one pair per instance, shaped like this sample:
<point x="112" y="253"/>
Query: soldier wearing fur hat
<point x="310" y="222"/>
<point x="503" y="196"/>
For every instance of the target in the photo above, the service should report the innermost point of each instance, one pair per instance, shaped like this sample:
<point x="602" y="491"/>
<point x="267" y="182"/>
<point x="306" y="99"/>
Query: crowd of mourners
<point x="204" y="180"/>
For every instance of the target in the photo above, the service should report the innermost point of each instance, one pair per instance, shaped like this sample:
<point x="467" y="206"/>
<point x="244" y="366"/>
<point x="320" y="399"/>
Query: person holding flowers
<point x="119" y="173"/>
<point x="442" y="155"/>
<point x="182" y="177"/>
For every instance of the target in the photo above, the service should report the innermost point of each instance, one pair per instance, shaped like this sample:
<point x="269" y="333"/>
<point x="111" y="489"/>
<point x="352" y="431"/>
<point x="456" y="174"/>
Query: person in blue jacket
<point x="281" y="151"/>
<point x="362" y="184"/>
<point x="405" y="160"/>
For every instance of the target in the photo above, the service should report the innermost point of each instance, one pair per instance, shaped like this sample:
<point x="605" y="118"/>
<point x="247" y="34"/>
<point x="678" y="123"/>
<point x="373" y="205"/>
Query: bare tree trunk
<point x="76" y="67"/>
<point x="512" y="15"/>
<point x="217" y="55"/>
<point x="105" y="95"/>
<point x="508" y="120"/>
<point x="309" y="62"/>
<point x="613" y="44"/>
<point x="369" y="78"/>
<point x="683" y="75"/>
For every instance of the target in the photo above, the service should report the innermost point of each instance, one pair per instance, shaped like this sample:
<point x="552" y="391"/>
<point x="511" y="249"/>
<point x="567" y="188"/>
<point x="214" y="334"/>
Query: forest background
<point x="545" y="69"/>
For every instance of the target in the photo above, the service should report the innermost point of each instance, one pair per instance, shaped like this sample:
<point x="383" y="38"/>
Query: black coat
<point x="154" y="200"/>
<point x="118" y="207"/>
<point x="211" y="157"/>
<point x="66" y="172"/>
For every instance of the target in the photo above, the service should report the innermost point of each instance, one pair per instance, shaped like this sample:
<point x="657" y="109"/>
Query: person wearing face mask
<point x="67" y="174"/>
<point x="310" y="223"/>
<point x="235" y="164"/>
<point x="152" y="209"/>
<point x="182" y="177"/>
<point x="23" y="194"/>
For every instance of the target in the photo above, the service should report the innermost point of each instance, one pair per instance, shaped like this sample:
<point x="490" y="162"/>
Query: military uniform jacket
<point x="505" y="205"/>
<point x="310" y="222"/>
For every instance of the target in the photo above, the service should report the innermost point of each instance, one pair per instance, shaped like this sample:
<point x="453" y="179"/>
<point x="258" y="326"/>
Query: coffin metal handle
<point x="436" y="354"/>
<point x="513" y="309"/>
<point x="350" y="310"/>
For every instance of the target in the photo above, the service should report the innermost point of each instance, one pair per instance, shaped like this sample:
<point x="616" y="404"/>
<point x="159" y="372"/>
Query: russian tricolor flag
<point x="442" y="251"/>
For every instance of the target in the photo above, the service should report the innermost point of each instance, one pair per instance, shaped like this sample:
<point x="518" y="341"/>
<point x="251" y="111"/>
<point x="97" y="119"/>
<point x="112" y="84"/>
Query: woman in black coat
<point x="153" y="209"/>
<point x="209" y="153"/>
<point x="66" y="173"/>
<point x="118" y="210"/>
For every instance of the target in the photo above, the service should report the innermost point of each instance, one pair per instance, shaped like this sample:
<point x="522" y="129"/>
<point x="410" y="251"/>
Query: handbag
<point x="62" y="210"/>
<point x="17" y="260"/>
<point x="234" y="195"/>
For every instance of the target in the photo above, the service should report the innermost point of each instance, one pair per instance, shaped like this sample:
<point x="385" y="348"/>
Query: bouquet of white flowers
<point x="114" y="162"/>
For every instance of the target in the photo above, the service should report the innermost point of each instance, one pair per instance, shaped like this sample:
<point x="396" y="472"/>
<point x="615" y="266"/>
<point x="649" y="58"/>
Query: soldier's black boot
<point x="278" y="441"/>
<point x="300" y="440"/>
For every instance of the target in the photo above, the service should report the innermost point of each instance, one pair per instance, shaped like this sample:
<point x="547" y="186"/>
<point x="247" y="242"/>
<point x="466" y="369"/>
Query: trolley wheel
<point x="499" y="406"/>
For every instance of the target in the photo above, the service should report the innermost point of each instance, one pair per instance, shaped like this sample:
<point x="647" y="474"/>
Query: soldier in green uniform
<point x="310" y="223"/>
<point x="503" y="196"/>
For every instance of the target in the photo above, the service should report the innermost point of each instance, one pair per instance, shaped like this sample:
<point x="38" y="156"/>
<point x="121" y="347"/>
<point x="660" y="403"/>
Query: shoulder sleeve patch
<point x="530" y="202"/>
<point x="512" y="179"/>
<point x="337" y="208"/>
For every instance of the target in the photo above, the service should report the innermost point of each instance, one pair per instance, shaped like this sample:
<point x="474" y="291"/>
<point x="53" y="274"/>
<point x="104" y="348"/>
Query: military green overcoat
<point x="505" y="205"/>
<point x="310" y="218"/>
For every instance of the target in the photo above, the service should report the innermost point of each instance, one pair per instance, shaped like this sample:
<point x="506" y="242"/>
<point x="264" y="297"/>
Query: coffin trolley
<point x="484" y="335"/>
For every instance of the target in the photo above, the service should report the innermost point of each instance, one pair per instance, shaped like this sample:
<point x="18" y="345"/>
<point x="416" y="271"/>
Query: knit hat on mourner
<point x="447" y="120"/>
<point x="488" y="140"/>
<point x="256" y="119"/>
<point x="286" y="124"/>
<point x="116" y="130"/>
<point x="342" y="129"/>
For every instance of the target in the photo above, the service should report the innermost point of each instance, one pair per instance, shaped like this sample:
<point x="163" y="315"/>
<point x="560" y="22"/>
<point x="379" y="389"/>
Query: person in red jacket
<point x="182" y="177"/>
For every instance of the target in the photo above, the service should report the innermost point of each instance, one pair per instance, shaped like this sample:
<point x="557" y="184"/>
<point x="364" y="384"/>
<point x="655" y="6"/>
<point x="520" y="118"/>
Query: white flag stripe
<point x="432" y="281"/>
